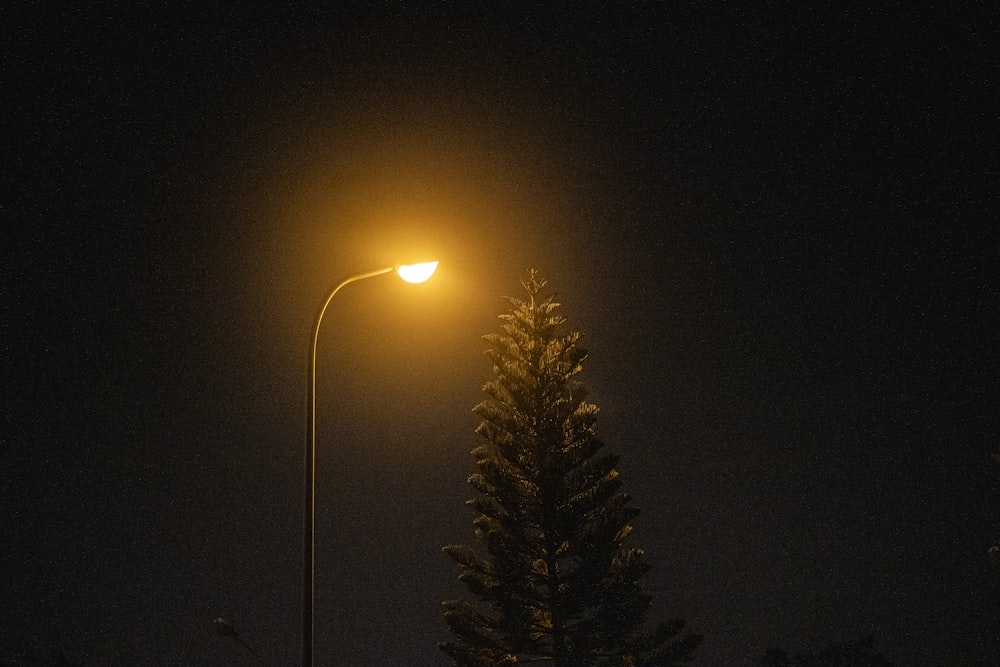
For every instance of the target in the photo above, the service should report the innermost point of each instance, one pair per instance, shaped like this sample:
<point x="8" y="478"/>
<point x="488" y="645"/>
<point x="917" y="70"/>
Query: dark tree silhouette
<point x="994" y="550"/>
<point x="858" y="653"/>
<point x="557" y="582"/>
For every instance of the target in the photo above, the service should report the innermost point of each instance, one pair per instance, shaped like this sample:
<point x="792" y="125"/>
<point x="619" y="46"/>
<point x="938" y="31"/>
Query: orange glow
<point x="416" y="273"/>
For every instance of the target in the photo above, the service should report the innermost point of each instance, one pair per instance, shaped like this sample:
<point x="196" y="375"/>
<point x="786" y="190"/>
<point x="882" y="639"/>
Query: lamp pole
<point x="414" y="273"/>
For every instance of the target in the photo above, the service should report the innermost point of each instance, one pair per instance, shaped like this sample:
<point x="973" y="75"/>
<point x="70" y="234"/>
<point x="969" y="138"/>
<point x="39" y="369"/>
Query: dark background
<point x="775" y="226"/>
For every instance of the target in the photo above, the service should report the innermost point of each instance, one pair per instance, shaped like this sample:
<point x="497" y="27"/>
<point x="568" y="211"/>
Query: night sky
<point x="775" y="227"/>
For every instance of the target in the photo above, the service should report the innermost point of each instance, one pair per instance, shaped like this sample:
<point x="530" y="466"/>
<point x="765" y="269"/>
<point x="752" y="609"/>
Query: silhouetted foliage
<point x="556" y="582"/>
<point x="858" y="653"/>
<point x="993" y="552"/>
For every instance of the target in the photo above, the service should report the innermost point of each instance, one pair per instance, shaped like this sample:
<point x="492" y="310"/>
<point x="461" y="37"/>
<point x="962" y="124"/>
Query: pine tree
<point x="557" y="582"/>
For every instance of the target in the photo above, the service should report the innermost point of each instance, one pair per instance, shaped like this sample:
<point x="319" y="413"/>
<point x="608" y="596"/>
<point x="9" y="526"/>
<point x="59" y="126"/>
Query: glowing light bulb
<point x="416" y="273"/>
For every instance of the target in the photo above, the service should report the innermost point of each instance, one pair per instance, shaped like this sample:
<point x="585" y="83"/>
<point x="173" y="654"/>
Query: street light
<point x="412" y="273"/>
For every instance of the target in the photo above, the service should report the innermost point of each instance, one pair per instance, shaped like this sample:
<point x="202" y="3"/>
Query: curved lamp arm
<point x="412" y="273"/>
